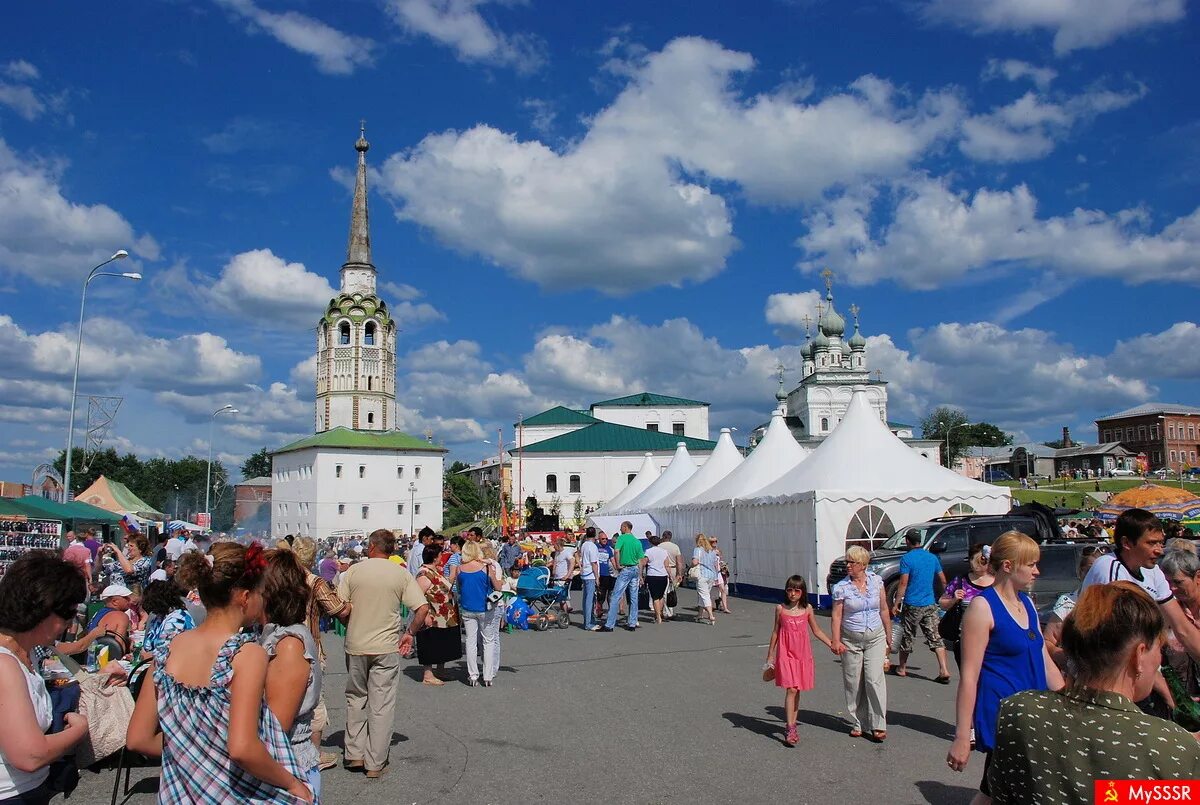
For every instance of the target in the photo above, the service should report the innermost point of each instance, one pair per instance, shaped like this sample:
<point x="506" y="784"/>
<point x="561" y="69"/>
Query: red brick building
<point x="1168" y="434"/>
<point x="252" y="505"/>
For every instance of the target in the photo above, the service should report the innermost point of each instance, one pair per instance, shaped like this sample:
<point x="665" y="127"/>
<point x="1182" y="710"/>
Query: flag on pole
<point x="130" y="525"/>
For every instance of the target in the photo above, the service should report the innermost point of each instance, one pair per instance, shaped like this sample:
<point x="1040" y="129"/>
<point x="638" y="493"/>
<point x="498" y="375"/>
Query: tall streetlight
<point x="948" y="431"/>
<point x="412" y="500"/>
<point x="120" y="254"/>
<point x="224" y="409"/>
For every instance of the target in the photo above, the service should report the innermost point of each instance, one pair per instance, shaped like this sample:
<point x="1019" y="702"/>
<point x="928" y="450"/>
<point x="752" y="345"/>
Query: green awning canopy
<point x="72" y="512"/>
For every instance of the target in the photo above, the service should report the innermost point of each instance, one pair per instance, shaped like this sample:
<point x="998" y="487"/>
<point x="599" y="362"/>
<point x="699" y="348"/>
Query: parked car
<point x="992" y="474"/>
<point x="950" y="538"/>
<point x="1163" y="472"/>
<point x="1121" y="472"/>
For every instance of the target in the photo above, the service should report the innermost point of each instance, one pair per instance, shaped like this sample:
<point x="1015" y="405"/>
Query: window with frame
<point x="399" y="472"/>
<point x="551" y="484"/>
<point x="399" y="508"/>
<point x="370" y="416"/>
<point x="1129" y="434"/>
<point x="417" y="508"/>
<point x="337" y="471"/>
<point x="677" y="428"/>
<point x="344" y="333"/>
<point x="1191" y="432"/>
<point x="1172" y="455"/>
<point x="824" y="424"/>
<point x="1171" y="431"/>
<point x="1142" y="432"/>
<point x="366" y="511"/>
<point x="416" y="472"/>
<point x="870" y="526"/>
<point x="652" y="426"/>
<point x="341" y="508"/>
<point x="369" y="334"/>
<point x="574" y="480"/>
<point x="362" y="470"/>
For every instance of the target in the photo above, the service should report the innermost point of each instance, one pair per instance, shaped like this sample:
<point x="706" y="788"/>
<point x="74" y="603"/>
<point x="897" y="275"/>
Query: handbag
<point x="694" y="573"/>
<point x="768" y="673"/>
<point x="950" y="626"/>
<point x="672" y="598"/>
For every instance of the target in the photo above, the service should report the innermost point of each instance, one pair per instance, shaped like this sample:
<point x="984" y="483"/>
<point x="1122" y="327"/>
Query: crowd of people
<point x="228" y="663"/>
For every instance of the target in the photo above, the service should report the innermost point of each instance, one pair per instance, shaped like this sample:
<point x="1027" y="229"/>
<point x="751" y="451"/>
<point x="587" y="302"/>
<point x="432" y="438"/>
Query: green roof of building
<point x="363" y="440"/>
<point x="646" y="399"/>
<point x="891" y="424"/>
<point x="607" y="437"/>
<point x="558" y="415"/>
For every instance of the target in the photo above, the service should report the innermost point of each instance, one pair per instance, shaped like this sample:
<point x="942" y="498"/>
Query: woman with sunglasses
<point x="1052" y="632"/>
<point x="862" y="639"/>
<point x="38" y="597"/>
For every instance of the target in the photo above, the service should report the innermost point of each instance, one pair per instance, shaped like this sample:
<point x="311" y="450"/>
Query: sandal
<point x="793" y="737"/>
<point x="944" y="679"/>
<point x="856" y="733"/>
<point x="879" y="736"/>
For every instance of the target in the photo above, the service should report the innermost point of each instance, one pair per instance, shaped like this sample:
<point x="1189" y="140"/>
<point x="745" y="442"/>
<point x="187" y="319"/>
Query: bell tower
<point x="356" y="338"/>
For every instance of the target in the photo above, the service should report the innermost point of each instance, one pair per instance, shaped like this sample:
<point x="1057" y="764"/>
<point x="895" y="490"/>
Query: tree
<point x="985" y="434"/>
<point x="257" y="465"/>
<point x="578" y="511"/>
<point x="458" y="466"/>
<point x="462" y="501"/>
<point x="963" y="432"/>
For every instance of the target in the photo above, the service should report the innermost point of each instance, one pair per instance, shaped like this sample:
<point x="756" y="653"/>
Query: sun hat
<point x="113" y="590"/>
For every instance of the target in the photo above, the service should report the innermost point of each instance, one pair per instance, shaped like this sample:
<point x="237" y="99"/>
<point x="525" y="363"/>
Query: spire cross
<point x="878" y="375"/>
<point x="779" y="370"/>
<point x="854" y="312"/>
<point x="362" y="126"/>
<point x="828" y="275"/>
<point x="807" y="324"/>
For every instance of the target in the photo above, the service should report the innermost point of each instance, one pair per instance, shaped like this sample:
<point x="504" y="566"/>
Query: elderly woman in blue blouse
<point x="862" y="639"/>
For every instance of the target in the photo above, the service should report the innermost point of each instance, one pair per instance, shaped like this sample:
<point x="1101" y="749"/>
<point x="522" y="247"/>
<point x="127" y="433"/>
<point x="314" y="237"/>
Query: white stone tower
<point x="356" y="338"/>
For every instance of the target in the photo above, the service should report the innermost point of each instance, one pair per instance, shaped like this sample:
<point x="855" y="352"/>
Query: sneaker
<point x="605" y="629"/>
<point x="793" y="737"/>
<point x="595" y="628"/>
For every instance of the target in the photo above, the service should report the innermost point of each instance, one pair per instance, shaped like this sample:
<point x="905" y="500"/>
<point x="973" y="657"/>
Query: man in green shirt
<point x="629" y="563"/>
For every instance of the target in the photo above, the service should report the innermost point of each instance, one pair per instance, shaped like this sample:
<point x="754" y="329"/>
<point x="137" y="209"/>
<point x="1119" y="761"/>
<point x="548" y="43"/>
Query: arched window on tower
<point x="344" y="333"/>
<point x="369" y="336"/>
<point x="370" y="419"/>
<point x="824" y="424"/>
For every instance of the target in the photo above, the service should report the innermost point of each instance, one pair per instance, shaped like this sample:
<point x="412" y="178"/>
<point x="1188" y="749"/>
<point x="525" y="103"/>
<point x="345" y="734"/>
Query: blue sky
<point x="576" y="201"/>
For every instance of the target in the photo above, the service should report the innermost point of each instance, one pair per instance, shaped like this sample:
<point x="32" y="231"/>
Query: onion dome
<point x="857" y="342"/>
<point x="831" y="323"/>
<point x="821" y="341"/>
<point x="846" y="351"/>
<point x="806" y="350"/>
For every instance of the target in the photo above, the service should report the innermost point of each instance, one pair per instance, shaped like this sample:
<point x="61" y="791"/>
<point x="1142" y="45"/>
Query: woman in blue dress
<point x="1002" y="652"/>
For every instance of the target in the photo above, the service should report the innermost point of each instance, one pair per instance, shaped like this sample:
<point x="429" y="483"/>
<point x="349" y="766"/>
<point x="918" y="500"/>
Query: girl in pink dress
<point x="790" y="650"/>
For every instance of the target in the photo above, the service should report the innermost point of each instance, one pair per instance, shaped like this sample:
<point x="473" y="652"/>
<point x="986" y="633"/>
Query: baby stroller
<point x="547" y="600"/>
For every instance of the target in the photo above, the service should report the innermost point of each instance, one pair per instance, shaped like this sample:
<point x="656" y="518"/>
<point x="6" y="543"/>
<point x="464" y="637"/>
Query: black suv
<point x="950" y="537"/>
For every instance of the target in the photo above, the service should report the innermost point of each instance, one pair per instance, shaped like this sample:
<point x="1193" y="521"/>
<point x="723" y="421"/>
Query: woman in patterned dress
<point x="440" y="641"/>
<point x="219" y="741"/>
<point x="131" y="567"/>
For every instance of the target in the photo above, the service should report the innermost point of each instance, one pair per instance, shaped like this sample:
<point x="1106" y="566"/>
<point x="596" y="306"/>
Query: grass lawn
<point x="1052" y="492"/>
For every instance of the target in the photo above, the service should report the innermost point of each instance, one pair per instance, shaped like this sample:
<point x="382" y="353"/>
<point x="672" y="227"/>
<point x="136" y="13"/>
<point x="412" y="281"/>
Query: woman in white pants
<point x="476" y="581"/>
<point x="708" y="573"/>
<point x="860" y="637"/>
<point x="498" y="613"/>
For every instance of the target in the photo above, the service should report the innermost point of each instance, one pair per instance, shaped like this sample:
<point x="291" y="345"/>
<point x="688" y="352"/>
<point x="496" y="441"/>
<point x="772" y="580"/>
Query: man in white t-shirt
<point x="174" y="547"/>
<point x="1139" y="543"/>
<point x="675" y="578"/>
<point x="589" y="573"/>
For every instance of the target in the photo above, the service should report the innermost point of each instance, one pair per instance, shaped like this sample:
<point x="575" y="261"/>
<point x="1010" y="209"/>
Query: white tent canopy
<point x="679" y="470"/>
<point x="711" y="511"/>
<point x="862" y="481"/>
<point x="611" y="523"/>
<point x="646" y="475"/>
<point x="724" y="459"/>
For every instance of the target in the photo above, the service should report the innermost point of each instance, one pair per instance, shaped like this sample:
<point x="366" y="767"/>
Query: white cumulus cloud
<point x="460" y="25"/>
<point x="335" y="52"/>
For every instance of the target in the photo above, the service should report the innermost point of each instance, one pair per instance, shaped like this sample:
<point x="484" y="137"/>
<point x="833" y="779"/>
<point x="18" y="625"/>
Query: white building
<point x="574" y="456"/>
<point x="357" y="473"/>
<point x="350" y="480"/>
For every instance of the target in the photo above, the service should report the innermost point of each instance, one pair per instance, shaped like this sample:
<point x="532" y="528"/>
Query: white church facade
<point x="357" y="473"/>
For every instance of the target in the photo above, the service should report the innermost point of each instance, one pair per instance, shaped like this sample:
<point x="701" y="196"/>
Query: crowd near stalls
<point x="209" y="654"/>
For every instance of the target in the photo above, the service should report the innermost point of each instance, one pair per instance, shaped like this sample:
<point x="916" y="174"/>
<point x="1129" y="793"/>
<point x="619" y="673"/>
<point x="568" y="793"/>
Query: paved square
<point x="670" y="713"/>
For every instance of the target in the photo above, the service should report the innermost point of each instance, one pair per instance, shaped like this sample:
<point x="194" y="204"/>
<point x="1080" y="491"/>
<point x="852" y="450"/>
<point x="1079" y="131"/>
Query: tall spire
<point x="358" y="250"/>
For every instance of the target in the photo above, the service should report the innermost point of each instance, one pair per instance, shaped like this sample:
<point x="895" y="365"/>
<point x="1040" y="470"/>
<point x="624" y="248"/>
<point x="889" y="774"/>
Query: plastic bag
<point x="518" y="613"/>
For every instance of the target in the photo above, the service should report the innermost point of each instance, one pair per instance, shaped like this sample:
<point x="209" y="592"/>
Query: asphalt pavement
<point x="669" y="713"/>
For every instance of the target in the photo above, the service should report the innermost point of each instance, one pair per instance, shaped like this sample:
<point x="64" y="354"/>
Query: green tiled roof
<point x="647" y="399"/>
<point x="559" y="415"/>
<point x="607" y="437"/>
<point x="891" y="424"/>
<point x="363" y="440"/>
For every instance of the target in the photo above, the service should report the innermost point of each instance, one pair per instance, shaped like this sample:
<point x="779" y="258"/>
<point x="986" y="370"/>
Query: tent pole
<point x="733" y="534"/>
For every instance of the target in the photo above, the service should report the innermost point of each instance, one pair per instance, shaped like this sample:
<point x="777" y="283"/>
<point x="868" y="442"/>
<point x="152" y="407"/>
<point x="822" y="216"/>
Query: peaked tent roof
<point x="363" y="440"/>
<point x="558" y="415"/>
<point x="645" y="399"/>
<point x="724" y="459"/>
<point x="609" y="437"/>
<point x="863" y="456"/>
<point x="679" y="470"/>
<point x="647" y="473"/>
<point x="116" y="497"/>
<point x="777" y="453"/>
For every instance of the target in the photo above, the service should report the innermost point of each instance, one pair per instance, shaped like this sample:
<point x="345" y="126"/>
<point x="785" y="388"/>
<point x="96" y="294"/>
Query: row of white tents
<point x="785" y="509"/>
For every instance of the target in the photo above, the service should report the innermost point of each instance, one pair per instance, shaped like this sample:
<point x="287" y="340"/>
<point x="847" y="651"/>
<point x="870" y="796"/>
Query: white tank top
<point x="12" y="780"/>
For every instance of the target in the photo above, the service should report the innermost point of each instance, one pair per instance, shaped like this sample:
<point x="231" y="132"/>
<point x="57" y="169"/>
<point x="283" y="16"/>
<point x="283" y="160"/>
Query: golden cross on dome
<point x="878" y="375"/>
<point x="779" y="369"/>
<point x="807" y="323"/>
<point x="362" y="126"/>
<point x="828" y="275"/>
<point x="854" y="312"/>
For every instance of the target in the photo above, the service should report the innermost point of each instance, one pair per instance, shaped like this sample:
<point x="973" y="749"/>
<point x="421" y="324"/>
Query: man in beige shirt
<point x="375" y="589"/>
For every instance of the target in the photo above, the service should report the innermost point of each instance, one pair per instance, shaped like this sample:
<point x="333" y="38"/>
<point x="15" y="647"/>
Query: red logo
<point x="1142" y="792"/>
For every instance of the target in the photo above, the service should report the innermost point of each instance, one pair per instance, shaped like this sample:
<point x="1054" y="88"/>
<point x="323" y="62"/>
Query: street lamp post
<point x="412" y="502"/>
<point x="224" y="409"/>
<point x="948" y="430"/>
<point x="120" y="254"/>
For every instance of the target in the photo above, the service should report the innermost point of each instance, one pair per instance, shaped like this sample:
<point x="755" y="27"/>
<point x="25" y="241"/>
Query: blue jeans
<point x="627" y="579"/>
<point x="589" y="599"/>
